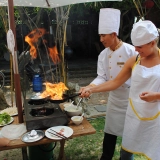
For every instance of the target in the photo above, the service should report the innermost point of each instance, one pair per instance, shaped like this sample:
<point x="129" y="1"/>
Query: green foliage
<point x="79" y="10"/>
<point x="3" y="42"/>
<point x="4" y="118"/>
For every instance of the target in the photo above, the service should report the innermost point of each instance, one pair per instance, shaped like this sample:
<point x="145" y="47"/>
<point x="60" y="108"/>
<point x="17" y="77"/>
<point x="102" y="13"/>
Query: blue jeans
<point x="124" y="155"/>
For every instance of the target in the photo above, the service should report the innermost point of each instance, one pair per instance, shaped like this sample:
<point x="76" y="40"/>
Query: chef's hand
<point x="148" y="96"/>
<point x="85" y="92"/>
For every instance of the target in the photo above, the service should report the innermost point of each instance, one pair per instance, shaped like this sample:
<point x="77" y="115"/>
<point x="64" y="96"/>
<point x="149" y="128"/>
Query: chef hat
<point x="109" y="20"/>
<point x="143" y="32"/>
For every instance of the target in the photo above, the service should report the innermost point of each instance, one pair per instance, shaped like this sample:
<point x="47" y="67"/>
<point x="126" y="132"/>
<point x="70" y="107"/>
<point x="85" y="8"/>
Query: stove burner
<point x="41" y="111"/>
<point x="37" y="102"/>
<point x="43" y="116"/>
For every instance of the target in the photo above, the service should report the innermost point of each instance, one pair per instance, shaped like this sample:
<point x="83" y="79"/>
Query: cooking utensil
<point x="33" y="133"/>
<point x="71" y="103"/>
<point x="28" y="138"/>
<point x="79" y="103"/>
<point x="64" y="98"/>
<point x="81" y="116"/>
<point x="56" y="135"/>
<point x="59" y="134"/>
<point x="38" y="97"/>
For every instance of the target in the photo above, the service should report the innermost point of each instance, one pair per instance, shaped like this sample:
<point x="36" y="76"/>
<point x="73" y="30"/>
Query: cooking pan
<point x="37" y="100"/>
<point x="38" y="97"/>
<point x="64" y="98"/>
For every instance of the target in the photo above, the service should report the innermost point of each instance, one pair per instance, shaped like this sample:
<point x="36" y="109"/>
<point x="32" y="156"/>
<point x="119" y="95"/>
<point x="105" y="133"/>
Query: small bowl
<point x="77" y="120"/>
<point x="72" y="110"/>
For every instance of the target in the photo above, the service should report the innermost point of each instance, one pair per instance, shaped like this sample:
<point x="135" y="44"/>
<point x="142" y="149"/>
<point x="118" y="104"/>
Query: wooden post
<point x="16" y="74"/>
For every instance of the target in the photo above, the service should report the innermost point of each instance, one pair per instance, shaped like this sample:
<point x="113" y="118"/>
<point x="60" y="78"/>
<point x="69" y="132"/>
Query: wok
<point x="36" y="99"/>
<point x="37" y="102"/>
<point x="64" y="98"/>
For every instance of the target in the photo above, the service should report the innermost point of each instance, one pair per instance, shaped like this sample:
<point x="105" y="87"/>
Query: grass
<point x="90" y="147"/>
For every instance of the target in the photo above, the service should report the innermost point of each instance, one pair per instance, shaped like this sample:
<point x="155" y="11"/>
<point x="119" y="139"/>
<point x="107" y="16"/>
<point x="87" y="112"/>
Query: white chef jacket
<point x="110" y="64"/>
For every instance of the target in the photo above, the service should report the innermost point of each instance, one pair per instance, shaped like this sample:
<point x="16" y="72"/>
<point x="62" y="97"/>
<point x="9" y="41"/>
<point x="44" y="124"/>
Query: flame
<point x="53" y="53"/>
<point x="32" y="39"/>
<point x="54" y="90"/>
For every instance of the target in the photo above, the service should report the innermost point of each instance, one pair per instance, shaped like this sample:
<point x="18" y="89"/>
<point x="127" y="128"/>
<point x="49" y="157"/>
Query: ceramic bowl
<point x="77" y="120"/>
<point x="72" y="110"/>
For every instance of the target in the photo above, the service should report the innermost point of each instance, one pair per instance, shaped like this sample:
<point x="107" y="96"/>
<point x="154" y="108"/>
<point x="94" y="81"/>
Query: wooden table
<point x="81" y="130"/>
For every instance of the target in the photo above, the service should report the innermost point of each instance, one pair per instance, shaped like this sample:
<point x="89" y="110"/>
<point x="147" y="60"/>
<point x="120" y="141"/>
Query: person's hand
<point x="148" y="96"/>
<point x="4" y="142"/>
<point x="85" y="92"/>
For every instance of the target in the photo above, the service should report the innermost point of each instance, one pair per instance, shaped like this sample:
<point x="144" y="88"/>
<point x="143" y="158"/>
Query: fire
<point x="54" y="90"/>
<point x="32" y="39"/>
<point x="54" y="54"/>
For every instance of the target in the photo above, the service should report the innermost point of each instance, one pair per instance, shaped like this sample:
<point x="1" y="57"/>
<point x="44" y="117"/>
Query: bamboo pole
<point x="62" y="20"/>
<point x="11" y="69"/>
<point x="137" y="8"/>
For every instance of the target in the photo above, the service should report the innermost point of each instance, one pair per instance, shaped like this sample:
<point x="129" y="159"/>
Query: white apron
<point x="116" y="111"/>
<point x="142" y="124"/>
<point x="112" y="63"/>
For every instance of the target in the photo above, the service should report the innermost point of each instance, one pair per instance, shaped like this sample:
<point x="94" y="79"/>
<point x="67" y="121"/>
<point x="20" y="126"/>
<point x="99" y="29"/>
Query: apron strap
<point x="137" y="61"/>
<point x="138" y="58"/>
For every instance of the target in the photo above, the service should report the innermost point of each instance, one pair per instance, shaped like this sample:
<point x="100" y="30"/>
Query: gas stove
<point x="43" y="115"/>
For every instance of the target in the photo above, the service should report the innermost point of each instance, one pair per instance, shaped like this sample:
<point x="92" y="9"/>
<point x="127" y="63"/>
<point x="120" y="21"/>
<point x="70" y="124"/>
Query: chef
<point x="142" y="124"/>
<point x="110" y="62"/>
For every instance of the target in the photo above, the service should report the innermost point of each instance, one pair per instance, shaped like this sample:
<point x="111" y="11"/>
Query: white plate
<point x="9" y="111"/>
<point x="14" y="114"/>
<point x="12" y="119"/>
<point x="67" y="132"/>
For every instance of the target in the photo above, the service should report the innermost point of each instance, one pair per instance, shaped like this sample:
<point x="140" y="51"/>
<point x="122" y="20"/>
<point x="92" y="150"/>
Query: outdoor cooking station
<point x="43" y="114"/>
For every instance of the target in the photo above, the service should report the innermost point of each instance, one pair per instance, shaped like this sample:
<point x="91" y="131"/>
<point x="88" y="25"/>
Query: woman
<point x="142" y="128"/>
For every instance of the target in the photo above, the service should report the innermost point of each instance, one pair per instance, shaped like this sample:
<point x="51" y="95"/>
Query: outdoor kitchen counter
<point x="81" y="130"/>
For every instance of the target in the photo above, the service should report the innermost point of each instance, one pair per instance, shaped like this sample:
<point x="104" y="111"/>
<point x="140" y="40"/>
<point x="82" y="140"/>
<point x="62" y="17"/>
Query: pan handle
<point x="74" y="95"/>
